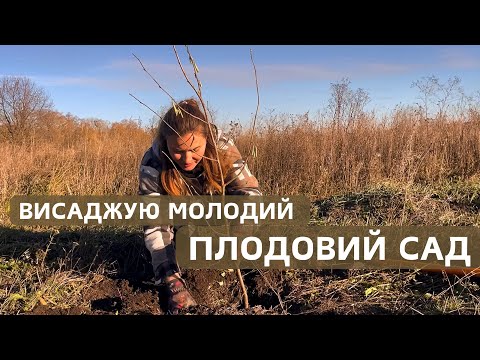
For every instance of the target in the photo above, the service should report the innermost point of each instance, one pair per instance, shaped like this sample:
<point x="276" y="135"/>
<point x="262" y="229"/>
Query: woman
<point x="181" y="162"/>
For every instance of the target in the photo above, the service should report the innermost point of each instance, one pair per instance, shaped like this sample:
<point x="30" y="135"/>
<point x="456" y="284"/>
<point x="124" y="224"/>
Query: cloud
<point x="458" y="58"/>
<point x="298" y="72"/>
<point x="232" y="75"/>
<point x="66" y="80"/>
<point x="272" y="74"/>
<point x="118" y="83"/>
<point x="129" y="75"/>
<point x="134" y="66"/>
<point x="385" y="69"/>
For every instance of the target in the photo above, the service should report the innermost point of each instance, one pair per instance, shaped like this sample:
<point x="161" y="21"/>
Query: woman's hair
<point x="185" y="118"/>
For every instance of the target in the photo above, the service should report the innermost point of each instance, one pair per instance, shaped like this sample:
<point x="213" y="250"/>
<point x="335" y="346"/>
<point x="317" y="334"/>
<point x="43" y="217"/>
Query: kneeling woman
<point x="180" y="162"/>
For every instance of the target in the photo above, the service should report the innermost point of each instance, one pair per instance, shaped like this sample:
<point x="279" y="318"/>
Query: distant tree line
<point x="24" y="105"/>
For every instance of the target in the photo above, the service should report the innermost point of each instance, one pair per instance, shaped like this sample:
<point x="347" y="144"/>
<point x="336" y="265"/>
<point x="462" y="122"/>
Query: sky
<point x="95" y="81"/>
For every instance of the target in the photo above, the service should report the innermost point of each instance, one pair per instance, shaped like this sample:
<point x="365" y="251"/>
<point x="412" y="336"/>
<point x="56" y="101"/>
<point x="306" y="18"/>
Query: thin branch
<point x="185" y="74"/>
<point x="253" y="125"/>
<point x="214" y="140"/>
<point x="460" y="278"/>
<point x="274" y="290"/>
<point x="151" y="77"/>
<point x="253" y="149"/>
<point x="165" y="91"/>
<point x="195" y="70"/>
<point x="258" y="100"/>
<point x="244" y="289"/>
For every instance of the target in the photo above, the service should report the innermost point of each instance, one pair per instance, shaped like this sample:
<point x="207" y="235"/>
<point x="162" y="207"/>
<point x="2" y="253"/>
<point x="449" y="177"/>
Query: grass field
<point x="396" y="171"/>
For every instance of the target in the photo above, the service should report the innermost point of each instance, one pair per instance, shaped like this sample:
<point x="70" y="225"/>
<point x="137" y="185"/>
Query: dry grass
<point x="297" y="155"/>
<point x="94" y="159"/>
<point x="27" y="281"/>
<point x="397" y="292"/>
<point x="395" y="171"/>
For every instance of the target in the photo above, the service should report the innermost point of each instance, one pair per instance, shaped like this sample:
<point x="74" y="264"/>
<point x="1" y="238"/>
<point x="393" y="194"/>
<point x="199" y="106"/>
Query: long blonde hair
<point x="184" y="123"/>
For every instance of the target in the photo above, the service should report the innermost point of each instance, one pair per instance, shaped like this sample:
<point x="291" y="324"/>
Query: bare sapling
<point x="178" y="110"/>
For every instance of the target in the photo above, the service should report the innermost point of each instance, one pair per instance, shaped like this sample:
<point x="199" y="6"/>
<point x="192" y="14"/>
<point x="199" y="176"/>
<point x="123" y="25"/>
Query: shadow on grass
<point x="121" y="251"/>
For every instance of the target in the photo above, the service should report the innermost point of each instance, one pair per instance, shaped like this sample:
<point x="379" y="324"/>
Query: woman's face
<point x="188" y="150"/>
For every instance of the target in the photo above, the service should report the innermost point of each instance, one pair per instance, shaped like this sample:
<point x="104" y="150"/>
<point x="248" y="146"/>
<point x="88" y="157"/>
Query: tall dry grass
<point x="85" y="158"/>
<point x="296" y="155"/>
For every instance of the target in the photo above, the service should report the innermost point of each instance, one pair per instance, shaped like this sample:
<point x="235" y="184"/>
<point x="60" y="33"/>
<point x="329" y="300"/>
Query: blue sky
<point x="95" y="81"/>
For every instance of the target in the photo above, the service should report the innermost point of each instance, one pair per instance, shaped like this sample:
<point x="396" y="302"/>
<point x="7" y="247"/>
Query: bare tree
<point x="336" y="103"/>
<point x="345" y="104"/>
<point x="448" y="92"/>
<point x="21" y="104"/>
<point x="356" y="103"/>
<point x="444" y="94"/>
<point x="428" y="86"/>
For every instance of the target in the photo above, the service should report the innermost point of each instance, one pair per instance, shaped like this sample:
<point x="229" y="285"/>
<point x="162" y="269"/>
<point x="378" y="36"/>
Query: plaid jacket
<point x="240" y="182"/>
